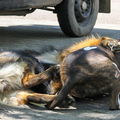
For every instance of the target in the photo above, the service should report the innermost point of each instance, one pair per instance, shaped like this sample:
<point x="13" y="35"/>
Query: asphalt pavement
<point x="41" y="28"/>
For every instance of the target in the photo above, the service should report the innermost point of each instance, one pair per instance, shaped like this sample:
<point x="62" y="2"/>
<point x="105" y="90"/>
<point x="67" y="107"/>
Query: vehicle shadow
<point x="32" y="31"/>
<point x="35" y="36"/>
<point x="43" y="31"/>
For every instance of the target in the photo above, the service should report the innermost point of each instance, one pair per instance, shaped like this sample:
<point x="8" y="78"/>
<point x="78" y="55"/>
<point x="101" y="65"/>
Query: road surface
<point x="41" y="28"/>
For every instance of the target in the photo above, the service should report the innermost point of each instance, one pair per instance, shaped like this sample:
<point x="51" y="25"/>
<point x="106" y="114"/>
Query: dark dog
<point x="91" y="71"/>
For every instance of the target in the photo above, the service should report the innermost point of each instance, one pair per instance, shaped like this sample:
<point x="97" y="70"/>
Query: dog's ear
<point x="105" y="38"/>
<point x="104" y="41"/>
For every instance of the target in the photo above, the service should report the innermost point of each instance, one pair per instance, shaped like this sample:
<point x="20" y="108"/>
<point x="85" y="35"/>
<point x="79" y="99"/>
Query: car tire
<point x="77" y="17"/>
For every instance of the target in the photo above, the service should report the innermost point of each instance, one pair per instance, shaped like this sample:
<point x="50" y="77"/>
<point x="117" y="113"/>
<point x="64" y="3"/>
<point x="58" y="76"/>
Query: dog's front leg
<point x="31" y="79"/>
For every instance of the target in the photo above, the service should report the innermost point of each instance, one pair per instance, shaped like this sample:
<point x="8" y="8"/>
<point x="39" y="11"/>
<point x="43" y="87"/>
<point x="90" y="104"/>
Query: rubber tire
<point x="68" y="22"/>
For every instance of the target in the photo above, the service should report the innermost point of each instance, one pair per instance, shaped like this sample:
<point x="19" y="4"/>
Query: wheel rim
<point x="82" y="10"/>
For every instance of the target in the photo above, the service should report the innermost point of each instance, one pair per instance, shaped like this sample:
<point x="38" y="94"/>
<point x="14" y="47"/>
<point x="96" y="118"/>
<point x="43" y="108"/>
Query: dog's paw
<point x="66" y="103"/>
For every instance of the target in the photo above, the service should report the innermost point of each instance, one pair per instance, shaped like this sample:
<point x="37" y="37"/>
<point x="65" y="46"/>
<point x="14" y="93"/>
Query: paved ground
<point x="41" y="28"/>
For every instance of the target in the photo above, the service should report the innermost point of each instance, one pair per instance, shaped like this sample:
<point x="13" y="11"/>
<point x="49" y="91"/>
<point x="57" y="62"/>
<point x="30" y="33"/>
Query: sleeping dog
<point x="25" y="76"/>
<point x="19" y="72"/>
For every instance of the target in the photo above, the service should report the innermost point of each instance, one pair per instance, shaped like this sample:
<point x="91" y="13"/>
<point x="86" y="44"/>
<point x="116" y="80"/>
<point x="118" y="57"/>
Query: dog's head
<point x="112" y="44"/>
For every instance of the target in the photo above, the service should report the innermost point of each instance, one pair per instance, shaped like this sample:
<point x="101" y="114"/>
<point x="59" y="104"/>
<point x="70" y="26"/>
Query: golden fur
<point x="84" y="43"/>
